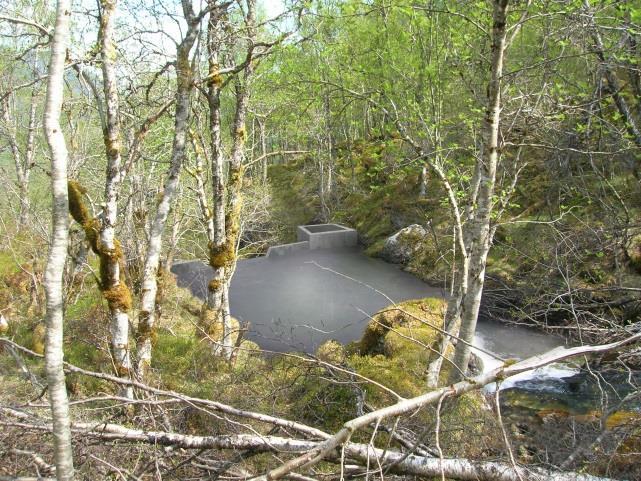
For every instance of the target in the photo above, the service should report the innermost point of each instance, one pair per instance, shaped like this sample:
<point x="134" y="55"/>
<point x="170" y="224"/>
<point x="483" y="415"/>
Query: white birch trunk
<point x="227" y="199"/>
<point x="25" y="204"/>
<point x="479" y="233"/>
<point x="113" y="284"/>
<point x="201" y="193"/>
<point x="213" y="310"/>
<point x="263" y="149"/>
<point x="58" y="251"/>
<point x="23" y="165"/>
<point x="184" y="86"/>
<point x="452" y="320"/>
<point x="423" y="188"/>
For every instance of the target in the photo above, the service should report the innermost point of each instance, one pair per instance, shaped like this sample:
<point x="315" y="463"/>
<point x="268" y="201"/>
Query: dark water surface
<point x="298" y="301"/>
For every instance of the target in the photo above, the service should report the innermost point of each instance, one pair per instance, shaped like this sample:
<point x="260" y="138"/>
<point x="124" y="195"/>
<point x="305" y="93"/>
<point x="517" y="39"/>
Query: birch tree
<point x="226" y="188"/>
<point x="101" y="233"/>
<point x="480" y="238"/>
<point x="112" y="264"/>
<point x="23" y="158"/>
<point x="613" y="81"/>
<point x="58" y="249"/>
<point x="184" y="88"/>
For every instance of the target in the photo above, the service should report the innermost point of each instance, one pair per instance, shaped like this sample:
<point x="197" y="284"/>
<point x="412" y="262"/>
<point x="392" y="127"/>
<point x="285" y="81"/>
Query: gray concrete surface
<point x="296" y="301"/>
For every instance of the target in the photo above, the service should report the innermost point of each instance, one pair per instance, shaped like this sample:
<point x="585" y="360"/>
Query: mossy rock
<point x="416" y="314"/>
<point x="405" y="341"/>
<point x="395" y="348"/>
<point x="248" y="356"/>
<point x="405" y="244"/>
<point x="404" y="377"/>
<point x="331" y="352"/>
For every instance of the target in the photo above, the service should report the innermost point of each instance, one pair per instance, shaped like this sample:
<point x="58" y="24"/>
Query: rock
<point x="331" y="352"/>
<point x="400" y="247"/>
<point x="407" y="315"/>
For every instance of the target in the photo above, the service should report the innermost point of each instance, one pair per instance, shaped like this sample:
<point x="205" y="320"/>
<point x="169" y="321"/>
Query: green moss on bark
<point x="118" y="296"/>
<point x="145" y="330"/>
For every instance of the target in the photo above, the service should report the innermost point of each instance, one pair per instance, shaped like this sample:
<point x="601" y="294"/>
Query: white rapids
<point x="517" y="343"/>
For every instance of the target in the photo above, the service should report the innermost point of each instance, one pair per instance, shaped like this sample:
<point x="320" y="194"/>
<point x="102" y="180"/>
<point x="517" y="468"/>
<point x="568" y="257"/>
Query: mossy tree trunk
<point x="227" y="196"/>
<point x="184" y="87"/>
<point x="58" y="251"/>
<point x="101" y="232"/>
<point x="213" y="310"/>
<point x="479" y="226"/>
<point x="114" y="287"/>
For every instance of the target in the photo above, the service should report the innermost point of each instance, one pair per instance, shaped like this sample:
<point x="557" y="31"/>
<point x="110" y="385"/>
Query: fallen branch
<point x="330" y="449"/>
<point x="213" y="405"/>
<point x="272" y="154"/>
<point x="456" y="468"/>
<point x="324" y="449"/>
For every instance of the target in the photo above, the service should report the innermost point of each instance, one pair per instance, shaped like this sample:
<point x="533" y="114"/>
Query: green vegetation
<point x="377" y="115"/>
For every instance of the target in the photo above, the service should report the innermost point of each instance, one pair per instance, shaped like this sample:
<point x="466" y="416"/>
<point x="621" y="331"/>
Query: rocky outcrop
<point x="332" y="352"/>
<point x="405" y="244"/>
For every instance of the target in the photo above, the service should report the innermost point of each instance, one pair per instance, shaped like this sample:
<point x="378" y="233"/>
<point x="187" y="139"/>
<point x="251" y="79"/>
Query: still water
<point x="298" y="301"/>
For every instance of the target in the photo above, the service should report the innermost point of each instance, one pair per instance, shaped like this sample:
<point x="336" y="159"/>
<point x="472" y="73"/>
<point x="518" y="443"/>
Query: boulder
<point x="331" y="352"/>
<point x="403" y="245"/>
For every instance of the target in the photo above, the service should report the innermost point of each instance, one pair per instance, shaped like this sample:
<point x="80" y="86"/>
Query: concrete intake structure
<point x="317" y="236"/>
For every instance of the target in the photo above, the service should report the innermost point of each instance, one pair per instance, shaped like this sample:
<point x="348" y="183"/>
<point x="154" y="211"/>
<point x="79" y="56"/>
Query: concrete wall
<point x="330" y="236"/>
<point x="327" y="236"/>
<point x="285" y="249"/>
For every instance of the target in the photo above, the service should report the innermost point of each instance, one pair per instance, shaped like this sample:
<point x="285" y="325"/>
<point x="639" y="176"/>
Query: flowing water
<point x="515" y="342"/>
